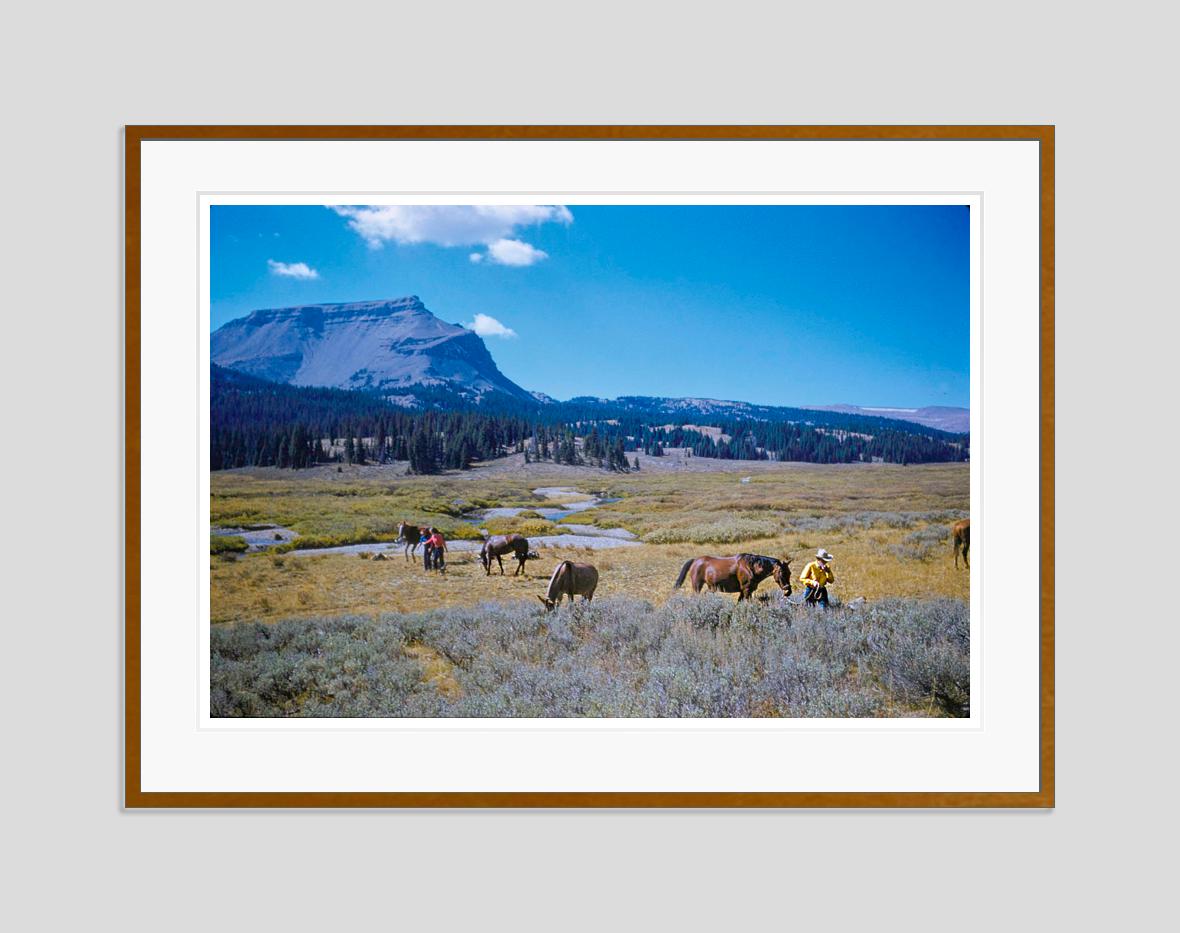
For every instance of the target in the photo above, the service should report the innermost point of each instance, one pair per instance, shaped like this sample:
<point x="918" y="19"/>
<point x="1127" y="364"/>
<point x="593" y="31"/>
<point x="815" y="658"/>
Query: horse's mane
<point x="750" y="558"/>
<point x="553" y="578"/>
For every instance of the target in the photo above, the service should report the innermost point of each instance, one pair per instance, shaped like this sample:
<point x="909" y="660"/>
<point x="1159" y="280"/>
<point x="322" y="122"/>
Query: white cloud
<point x="293" y="270"/>
<point x="514" y="253"/>
<point x="457" y="225"/>
<point x="487" y="326"/>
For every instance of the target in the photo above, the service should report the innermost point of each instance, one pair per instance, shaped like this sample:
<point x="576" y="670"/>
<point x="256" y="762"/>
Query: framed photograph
<point x="664" y="466"/>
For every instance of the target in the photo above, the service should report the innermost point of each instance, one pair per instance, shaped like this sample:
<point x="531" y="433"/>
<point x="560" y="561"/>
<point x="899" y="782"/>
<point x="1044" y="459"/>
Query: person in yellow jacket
<point x="815" y="578"/>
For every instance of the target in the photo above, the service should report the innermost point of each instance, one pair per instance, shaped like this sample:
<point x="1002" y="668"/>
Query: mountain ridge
<point x="398" y="349"/>
<point x="385" y="346"/>
<point x="950" y="418"/>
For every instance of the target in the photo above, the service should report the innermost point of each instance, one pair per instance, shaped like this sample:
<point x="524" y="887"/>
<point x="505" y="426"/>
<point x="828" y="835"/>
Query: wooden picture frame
<point x="135" y="794"/>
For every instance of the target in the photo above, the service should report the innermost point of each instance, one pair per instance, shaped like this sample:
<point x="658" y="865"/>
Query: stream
<point x="579" y="535"/>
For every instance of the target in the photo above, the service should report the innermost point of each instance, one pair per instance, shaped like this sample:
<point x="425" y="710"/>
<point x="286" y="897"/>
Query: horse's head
<point x="782" y="575"/>
<point x="532" y="555"/>
<point x="485" y="558"/>
<point x="548" y="603"/>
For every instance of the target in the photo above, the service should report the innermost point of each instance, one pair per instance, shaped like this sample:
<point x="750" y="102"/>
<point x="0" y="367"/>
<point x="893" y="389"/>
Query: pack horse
<point x="961" y="538"/>
<point x="495" y="547"/>
<point x="570" y="579"/>
<point x="739" y="574"/>
<point x="411" y="535"/>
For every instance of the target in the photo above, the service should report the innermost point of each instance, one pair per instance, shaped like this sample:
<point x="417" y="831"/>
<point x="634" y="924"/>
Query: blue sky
<point x="788" y="305"/>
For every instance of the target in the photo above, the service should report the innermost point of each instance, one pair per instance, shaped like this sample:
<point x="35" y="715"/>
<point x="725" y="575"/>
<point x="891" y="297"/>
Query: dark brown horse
<point x="739" y="574"/>
<point x="498" y="545"/>
<point x="570" y="579"/>
<point x="961" y="537"/>
<point x="410" y="534"/>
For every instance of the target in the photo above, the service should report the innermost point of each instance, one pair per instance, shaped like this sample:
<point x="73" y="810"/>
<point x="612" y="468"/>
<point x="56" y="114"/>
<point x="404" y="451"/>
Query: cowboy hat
<point x="823" y="555"/>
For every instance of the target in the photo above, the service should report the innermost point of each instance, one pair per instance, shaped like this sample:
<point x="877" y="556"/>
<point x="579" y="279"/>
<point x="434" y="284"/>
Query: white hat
<point x="823" y="555"/>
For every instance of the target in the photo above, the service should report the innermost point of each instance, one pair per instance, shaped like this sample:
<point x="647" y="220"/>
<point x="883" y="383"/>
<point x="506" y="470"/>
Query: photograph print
<point x="614" y="461"/>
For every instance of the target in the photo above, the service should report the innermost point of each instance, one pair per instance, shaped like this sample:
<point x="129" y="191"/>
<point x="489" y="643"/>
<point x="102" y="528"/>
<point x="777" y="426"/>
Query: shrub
<point x="720" y="532"/>
<point x="618" y="657"/>
<point x="530" y="528"/>
<point x="925" y="657"/>
<point x="922" y="544"/>
<point x="599" y="519"/>
<point x="227" y="544"/>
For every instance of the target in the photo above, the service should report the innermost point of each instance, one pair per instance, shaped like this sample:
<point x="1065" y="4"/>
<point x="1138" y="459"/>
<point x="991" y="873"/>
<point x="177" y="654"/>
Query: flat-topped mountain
<point x="385" y="346"/>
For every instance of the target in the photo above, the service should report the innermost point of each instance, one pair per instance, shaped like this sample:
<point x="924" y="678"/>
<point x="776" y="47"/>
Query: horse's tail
<point x="683" y="573"/>
<point x="553" y="580"/>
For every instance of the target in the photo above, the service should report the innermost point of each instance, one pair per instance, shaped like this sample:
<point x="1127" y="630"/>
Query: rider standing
<point x="424" y="540"/>
<point x="436" y="545"/>
<point x="815" y="578"/>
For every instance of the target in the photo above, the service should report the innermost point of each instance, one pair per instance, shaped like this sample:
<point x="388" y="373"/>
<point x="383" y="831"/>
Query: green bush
<point x="529" y="527"/>
<point x="227" y="544"/>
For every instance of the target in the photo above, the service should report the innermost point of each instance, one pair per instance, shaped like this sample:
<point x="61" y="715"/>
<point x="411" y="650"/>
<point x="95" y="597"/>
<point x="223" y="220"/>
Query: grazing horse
<point x="739" y="574"/>
<point x="961" y="538"/>
<point x="570" y="579"/>
<point x="498" y="545"/>
<point x="410" y="534"/>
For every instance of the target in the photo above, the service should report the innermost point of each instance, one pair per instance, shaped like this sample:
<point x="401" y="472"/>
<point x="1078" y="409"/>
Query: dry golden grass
<point x="712" y="509"/>
<point x="268" y="588"/>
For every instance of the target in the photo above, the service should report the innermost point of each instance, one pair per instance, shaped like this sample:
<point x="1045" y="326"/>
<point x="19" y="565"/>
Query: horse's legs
<point x="956" y="545"/>
<point x="500" y="561"/>
<point x="966" y="548"/>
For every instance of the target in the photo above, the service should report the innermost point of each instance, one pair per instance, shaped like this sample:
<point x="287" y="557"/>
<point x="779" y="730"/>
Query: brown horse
<point x="570" y="579"/>
<point x="410" y="535"/>
<point x="498" y="545"/>
<point x="739" y="574"/>
<point x="961" y="537"/>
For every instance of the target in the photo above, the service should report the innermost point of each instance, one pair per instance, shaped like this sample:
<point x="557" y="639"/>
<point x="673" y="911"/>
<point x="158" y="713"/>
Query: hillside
<point x="941" y="417"/>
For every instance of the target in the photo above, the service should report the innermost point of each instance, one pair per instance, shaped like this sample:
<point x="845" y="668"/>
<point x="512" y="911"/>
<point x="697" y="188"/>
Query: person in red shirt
<point x="437" y="545"/>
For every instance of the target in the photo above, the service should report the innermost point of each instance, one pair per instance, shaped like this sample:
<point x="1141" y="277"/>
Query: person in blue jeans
<point x="437" y="546"/>
<point x="426" y="549"/>
<point x="815" y="579"/>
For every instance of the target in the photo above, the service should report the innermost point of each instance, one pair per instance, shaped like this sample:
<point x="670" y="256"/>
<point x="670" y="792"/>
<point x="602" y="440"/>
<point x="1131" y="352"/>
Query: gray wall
<point x="73" y="77"/>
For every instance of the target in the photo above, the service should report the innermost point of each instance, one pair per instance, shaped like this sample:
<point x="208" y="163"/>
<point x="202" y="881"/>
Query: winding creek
<point x="578" y="535"/>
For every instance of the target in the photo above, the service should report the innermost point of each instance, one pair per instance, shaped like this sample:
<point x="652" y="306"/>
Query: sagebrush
<point x="703" y="656"/>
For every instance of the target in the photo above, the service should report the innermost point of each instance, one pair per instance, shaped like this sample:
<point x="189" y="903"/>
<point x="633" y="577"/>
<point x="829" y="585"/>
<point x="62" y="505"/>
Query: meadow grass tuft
<point x="227" y="544"/>
<point x="529" y="527"/>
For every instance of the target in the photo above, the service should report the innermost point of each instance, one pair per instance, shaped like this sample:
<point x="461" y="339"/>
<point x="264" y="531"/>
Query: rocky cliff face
<point x="386" y="346"/>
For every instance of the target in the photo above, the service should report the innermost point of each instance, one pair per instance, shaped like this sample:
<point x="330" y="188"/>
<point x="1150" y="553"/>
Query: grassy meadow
<point x="888" y="527"/>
